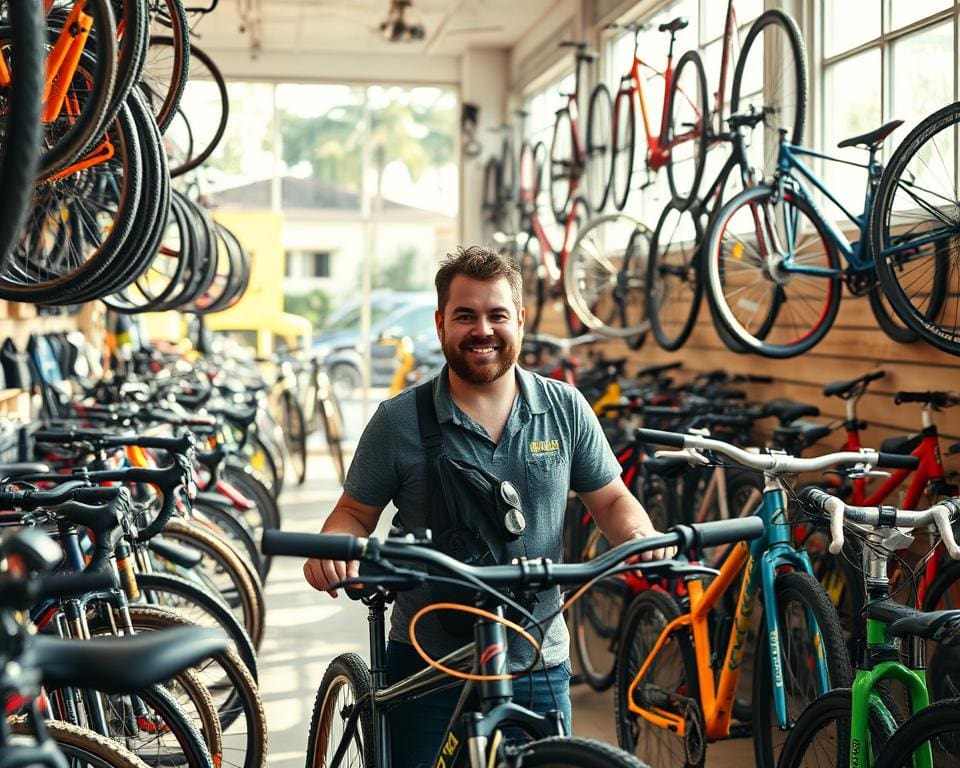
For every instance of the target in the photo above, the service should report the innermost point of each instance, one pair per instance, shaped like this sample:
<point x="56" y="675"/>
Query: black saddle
<point x="872" y="139"/>
<point x="847" y="389"/>
<point x="788" y="410"/>
<point x="675" y="25"/>
<point x="799" y="435"/>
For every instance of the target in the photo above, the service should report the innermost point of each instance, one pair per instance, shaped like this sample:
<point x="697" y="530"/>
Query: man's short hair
<point x="478" y="263"/>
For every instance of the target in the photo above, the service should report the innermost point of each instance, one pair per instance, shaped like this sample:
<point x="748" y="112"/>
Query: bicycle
<point x="350" y="720"/>
<point x="687" y="117"/>
<point x="773" y="272"/>
<point x="666" y="686"/>
<point x="859" y="719"/>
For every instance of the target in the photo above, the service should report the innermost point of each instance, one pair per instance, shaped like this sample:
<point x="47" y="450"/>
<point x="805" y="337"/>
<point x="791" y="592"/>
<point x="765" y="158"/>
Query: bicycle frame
<point x="760" y="559"/>
<point x="468" y="726"/>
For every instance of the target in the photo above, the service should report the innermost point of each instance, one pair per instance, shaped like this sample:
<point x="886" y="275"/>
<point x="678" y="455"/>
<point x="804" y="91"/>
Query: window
<point x="882" y="60"/>
<point x="307" y="264"/>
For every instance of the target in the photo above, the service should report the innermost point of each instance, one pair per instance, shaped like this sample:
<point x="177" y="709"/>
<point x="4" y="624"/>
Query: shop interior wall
<point x="854" y="346"/>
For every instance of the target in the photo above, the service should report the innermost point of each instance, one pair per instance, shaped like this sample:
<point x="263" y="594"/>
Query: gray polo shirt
<point x="552" y="443"/>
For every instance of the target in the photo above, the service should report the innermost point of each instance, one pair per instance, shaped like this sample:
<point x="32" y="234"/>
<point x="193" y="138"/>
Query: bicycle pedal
<point x="741" y="731"/>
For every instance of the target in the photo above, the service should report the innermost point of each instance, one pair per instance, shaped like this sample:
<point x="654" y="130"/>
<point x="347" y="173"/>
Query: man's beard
<point x="506" y="354"/>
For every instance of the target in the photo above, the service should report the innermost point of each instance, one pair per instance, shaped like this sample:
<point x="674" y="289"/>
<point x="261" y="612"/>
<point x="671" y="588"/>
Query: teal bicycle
<point x="772" y="261"/>
<point x="859" y="726"/>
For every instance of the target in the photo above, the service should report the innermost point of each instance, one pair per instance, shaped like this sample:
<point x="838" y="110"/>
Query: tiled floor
<point x="305" y="630"/>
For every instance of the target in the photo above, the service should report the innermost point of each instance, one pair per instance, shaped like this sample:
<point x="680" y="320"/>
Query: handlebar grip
<point x="718" y="532"/>
<point x="660" y="437"/>
<point x="897" y="461"/>
<point x="327" y="546"/>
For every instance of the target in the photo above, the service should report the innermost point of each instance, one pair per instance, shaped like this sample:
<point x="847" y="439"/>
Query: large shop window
<point x="882" y="60"/>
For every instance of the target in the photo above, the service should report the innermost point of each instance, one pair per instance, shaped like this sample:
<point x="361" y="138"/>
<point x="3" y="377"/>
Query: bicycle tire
<point x="673" y="304"/>
<point x="599" y="130"/>
<point x="349" y="675"/>
<point x="534" y="289"/>
<point x="624" y="147"/>
<point x="529" y="182"/>
<point x="167" y="96"/>
<point x="229" y="681"/>
<point x="295" y="434"/>
<point x="678" y="124"/>
<point x="804" y="590"/>
<point x="563" y="174"/>
<point x="229" y="577"/>
<point x="82" y="747"/>
<point x="19" y="154"/>
<point x="921" y="286"/>
<point x="943" y="671"/>
<point x="797" y="325"/>
<point x="784" y="102"/>
<point x="508" y="174"/>
<point x="633" y="299"/>
<point x="888" y="320"/>
<point x="199" y="154"/>
<point x="211" y="609"/>
<point x="831" y="710"/>
<point x="491" y="197"/>
<point x="225" y="520"/>
<point x="333" y="430"/>
<point x="597" y="615"/>
<point x="577" y="219"/>
<point x="266" y="512"/>
<point x="939" y="723"/>
<point x="595" y="278"/>
<point x="676" y="677"/>
<point x="570" y="752"/>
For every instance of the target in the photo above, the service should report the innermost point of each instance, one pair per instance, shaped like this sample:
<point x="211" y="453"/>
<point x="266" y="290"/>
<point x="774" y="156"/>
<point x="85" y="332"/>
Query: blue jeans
<point x="417" y="726"/>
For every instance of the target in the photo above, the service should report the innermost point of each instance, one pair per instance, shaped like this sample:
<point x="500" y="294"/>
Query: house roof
<point x="296" y="193"/>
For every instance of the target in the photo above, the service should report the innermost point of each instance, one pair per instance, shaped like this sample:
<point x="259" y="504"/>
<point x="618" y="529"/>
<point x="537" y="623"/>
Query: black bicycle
<point x="350" y="724"/>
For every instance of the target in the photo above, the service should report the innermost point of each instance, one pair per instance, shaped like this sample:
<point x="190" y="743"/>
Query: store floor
<point x="305" y="630"/>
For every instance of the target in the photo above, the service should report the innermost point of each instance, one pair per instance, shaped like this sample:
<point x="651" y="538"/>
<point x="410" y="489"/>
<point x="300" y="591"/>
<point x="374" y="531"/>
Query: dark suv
<point x="392" y="315"/>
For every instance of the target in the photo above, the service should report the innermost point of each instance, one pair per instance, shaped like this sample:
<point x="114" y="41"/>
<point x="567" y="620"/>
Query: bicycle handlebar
<point x="942" y="515"/>
<point x="768" y="462"/>
<point x="538" y="573"/>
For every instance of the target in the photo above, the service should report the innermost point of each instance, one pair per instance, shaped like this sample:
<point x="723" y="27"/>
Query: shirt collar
<point x="531" y="390"/>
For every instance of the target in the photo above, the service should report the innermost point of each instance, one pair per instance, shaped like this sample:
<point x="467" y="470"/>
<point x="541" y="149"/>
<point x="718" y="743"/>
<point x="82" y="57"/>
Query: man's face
<point x="480" y="330"/>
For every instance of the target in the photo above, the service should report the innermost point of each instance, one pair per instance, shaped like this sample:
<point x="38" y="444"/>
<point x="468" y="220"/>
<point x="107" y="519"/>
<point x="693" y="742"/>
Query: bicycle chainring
<point x="860" y="283"/>
<point x="695" y="735"/>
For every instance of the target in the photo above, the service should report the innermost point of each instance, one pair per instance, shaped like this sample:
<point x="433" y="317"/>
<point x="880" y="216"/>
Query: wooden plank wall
<point x="854" y="346"/>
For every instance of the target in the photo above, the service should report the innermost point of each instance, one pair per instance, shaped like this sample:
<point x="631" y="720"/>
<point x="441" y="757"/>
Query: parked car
<point x="393" y="315"/>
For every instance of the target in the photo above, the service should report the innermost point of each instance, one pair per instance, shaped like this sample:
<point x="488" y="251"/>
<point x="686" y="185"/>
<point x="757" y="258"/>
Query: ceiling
<point x="352" y="26"/>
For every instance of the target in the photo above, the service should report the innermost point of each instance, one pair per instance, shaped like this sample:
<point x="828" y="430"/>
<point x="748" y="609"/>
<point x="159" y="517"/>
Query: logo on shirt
<point x="544" y="446"/>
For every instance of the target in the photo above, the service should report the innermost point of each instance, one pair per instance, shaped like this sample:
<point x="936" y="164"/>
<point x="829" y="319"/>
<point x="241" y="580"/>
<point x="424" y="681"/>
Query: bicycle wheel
<point x="198" y="606"/>
<point x="772" y="273"/>
<point x="82" y="748"/>
<point x="491" y="199"/>
<point x="936" y="728"/>
<point x="771" y="78"/>
<point x="333" y="430"/>
<point x="224" y="572"/>
<point x="674" y="288"/>
<point x="669" y="685"/>
<point x="534" y="288"/>
<point x="226" y="521"/>
<point x="807" y="630"/>
<point x="563" y="172"/>
<point x="294" y="433"/>
<point x="888" y="320"/>
<point x="915" y="223"/>
<point x="595" y="277"/>
<point x="622" y="151"/>
<point x="821" y="736"/>
<point x="633" y="301"/>
<point x="166" y="72"/>
<point x="569" y="752"/>
<point x="598" y="147"/>
<point x="345" y="686"/>
<point x="688" y="115"/>
<point x="529" y="177"/>
<point x="20" y="103"/>
<point x="229" y="682"/>
<point x="597" y="615"/>
<point x="205" y="99"/>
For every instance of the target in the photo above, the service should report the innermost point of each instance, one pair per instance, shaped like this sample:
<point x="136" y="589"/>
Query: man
<point x="538" y="433"/>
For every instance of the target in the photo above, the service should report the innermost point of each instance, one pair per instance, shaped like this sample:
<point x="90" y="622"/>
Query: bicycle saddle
<point x="847" y="389"/>
<point x="788" y="410"/>
<point x="675" y="25"/>
<point x="20" y="468"/>
<point x="121" y="664"/>
<point x="872" y="139"/>
<point x="799" y="435"/>
<point x="935" y="625"/>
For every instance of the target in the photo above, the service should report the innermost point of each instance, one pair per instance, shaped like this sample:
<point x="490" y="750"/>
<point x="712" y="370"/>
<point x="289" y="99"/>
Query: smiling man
<point x="538" y="433"/>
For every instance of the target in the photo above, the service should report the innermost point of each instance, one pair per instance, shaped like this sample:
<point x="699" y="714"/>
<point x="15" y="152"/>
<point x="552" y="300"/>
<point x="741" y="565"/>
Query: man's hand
<point x="664" y="553"/>
<point x="320" y="574"/>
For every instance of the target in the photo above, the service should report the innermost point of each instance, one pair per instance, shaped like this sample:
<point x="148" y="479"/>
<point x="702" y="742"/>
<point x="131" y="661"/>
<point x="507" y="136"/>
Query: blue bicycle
<point x="772" y="266"/>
